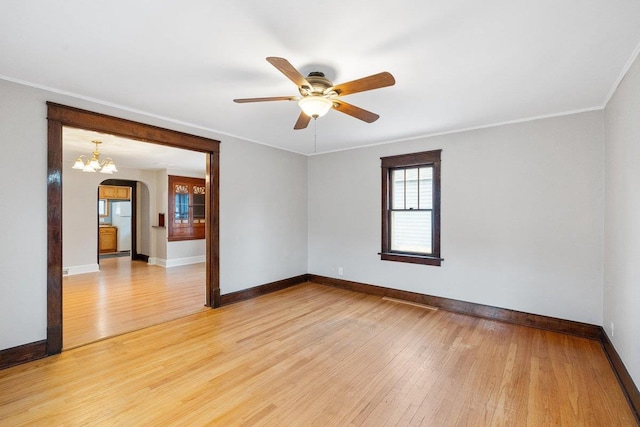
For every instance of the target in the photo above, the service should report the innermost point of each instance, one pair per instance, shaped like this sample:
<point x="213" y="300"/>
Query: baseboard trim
<point x="267" y="288"/>
<point x="22" y="354"/>
<point x="72" y="270"/>
<point x="583" y="330"/>
<point x="629" y="388"/>
<point x="176" y="262"/>
<point x="37" y="350"/>
<point x="140" y="257"/>
<point x="579" y="329"/>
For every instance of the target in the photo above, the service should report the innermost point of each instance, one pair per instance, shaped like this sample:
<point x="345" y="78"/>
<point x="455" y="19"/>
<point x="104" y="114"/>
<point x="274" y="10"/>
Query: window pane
<point x="198" y="207"/>
<point x="411" y="184"/>
<point x="198" y="204"/>
<point x="411" y="231"/>
<point x="182" y="207"/>
<point x="426" y="188"/>
<point x="397" y="189"/>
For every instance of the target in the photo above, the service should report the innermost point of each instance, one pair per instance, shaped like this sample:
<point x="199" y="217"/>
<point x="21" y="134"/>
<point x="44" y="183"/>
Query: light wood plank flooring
<point x="312" y="355"/>
<point x="125" y="296"/>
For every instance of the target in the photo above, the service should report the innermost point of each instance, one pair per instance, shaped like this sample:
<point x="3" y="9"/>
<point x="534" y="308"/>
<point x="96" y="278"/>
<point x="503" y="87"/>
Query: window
<point x="411" y="208"/>
<point x="187" y="201"/>
<point x="103" y="208"/>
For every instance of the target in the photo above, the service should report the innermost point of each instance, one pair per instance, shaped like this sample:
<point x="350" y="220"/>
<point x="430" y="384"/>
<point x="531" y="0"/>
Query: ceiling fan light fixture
<point x="319" y="94"/>
<point x="315" y="106"/>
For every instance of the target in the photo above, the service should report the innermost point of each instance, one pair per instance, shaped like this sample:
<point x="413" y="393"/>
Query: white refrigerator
<point x="121" y="218"/>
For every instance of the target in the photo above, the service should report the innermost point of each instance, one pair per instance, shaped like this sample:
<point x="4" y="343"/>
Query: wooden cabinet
<point x="187" y="213"/>
<point x="114" y="192"/>
<point x="107" y="239"/>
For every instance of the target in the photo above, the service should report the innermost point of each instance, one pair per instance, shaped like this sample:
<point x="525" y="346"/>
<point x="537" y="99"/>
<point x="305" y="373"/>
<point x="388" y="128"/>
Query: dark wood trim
<point x="387" y="165"/>
<point x="437" y="192"/>
<point x="267" y="288"/>
<point x="140" y="257"/>
<point x="54" y="237"/>
<point x="413" y="259"/>
<point x="212" y="231"/>
<point x="411" y="159"/>
<point x="22" y="353"/>
<point x="569" y="327"/>
<point x="83" y="119"/>
<point x="59" y="116"/>
<point x="629" y="388"/>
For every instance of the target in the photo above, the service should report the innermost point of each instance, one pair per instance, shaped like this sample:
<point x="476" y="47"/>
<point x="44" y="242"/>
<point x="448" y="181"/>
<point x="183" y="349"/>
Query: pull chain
<point x="315" y="135"/>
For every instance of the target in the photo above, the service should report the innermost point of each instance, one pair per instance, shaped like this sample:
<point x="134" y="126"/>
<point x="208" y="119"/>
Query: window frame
<point x="103" y="208"/>
<point x="407" y="161"/>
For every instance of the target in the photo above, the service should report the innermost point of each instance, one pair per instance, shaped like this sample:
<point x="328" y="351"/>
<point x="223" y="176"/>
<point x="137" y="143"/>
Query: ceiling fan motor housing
<point x="319" y="84"/>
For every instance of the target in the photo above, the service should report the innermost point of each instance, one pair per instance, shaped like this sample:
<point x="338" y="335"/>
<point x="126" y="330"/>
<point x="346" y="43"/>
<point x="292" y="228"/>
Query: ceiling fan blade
<point x="375" y="81"/>
<point x="289" y="70"/>
<point x="353" y="111"/>
<point x="303" y="121"/>
<point x="272" y="98"/>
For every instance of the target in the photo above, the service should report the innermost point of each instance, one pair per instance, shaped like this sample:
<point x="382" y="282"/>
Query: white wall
<point x="522" y="217"/>
<point x="23" y="215"/>
<point x="79" y="214"/>
<point x="622" y="221"/>
<point x="262" y="214"/>
<point x="159" y="235"/>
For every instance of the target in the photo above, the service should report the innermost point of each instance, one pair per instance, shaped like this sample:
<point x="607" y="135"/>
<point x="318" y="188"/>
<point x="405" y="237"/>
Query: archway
<point x="136" y="253"/>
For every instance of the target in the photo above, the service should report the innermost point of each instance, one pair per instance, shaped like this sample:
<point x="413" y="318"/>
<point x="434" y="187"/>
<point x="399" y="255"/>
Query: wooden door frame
<point x="61" y="115"/>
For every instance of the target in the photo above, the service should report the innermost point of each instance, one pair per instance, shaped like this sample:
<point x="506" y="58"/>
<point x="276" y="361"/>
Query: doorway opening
<point x="118" y="220"/>
<point x="59" y="116"/>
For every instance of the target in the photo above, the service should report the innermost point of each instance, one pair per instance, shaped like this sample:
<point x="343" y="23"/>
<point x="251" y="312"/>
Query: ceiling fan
<point x="319" y="94"/>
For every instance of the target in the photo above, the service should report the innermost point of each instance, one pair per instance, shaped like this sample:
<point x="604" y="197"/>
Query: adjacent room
<point x="128" y="267"/>
<point x="341" y="213"/>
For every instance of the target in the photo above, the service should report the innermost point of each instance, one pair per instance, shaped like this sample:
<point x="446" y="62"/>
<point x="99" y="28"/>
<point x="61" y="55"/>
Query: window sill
<point x="413" y="259"/>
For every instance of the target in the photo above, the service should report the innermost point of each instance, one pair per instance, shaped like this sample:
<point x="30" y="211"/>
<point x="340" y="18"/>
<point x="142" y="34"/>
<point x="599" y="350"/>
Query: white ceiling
<point x="128" y="154"/>
<point x="458" y="64"/>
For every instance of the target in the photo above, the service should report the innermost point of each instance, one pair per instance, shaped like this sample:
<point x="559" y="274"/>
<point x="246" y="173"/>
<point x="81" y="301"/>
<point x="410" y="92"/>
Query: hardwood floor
<point x="125" y="296"/>
<point x="315" y="355"/>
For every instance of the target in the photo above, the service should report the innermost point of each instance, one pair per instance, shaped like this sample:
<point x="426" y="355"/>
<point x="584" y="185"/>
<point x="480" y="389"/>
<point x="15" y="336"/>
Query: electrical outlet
<point x="340" y="271"/>
<point x="612" y="331"/>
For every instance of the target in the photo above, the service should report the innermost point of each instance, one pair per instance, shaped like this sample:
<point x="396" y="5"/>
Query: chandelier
<point x="95" y="164"/>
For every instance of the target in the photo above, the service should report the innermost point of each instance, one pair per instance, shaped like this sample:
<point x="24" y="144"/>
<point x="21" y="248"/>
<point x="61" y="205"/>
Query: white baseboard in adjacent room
<point x="175" y="262"/>
<point x="80" y="269"/>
